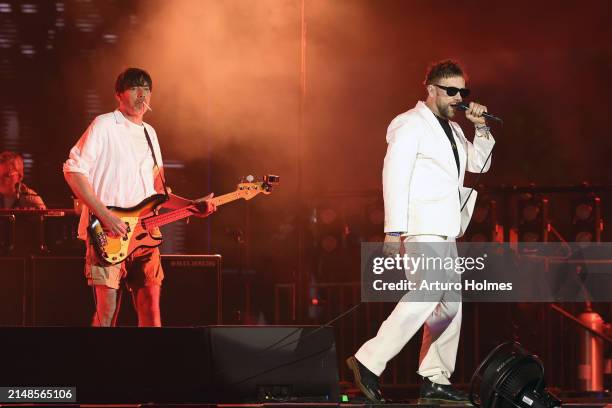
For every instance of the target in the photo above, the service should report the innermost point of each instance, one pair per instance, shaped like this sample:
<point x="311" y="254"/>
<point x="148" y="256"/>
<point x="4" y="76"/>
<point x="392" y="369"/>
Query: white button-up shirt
<point x="114" y="155"/>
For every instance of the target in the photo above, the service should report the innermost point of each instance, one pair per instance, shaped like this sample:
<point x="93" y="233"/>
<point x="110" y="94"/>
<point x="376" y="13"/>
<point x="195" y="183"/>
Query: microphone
<point x="21" y="190"/>
<point x="464" y="107"/>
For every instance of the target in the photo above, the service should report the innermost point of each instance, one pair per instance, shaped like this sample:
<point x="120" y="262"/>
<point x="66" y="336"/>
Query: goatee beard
<point x="446" y="112"/>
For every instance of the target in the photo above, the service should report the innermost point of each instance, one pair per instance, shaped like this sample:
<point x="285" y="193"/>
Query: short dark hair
<point x="443" y="69"/>
<point x="133" y="77"/>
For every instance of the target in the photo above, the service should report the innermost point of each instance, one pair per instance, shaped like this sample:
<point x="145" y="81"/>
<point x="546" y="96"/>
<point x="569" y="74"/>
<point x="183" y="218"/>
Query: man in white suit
<point x="427" y="156"/>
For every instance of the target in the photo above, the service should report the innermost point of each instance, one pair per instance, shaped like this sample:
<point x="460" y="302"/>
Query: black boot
<point x="432" y="393"/>
<point x="366" y="380"/>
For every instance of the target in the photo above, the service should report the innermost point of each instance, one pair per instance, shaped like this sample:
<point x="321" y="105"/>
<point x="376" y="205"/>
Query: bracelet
<point x="482" y="128"/>
<point x="394" y="234"/>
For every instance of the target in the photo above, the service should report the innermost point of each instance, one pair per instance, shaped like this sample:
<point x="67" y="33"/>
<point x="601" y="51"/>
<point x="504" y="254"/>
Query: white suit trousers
<point x="442" y="322"/>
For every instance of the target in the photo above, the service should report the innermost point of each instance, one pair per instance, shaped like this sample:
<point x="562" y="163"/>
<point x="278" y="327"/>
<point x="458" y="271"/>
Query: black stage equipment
<point x="191" y="292"/>
<point x="511" y="377"/>
<point x="274" y="364"/>
<point x="204" y="365"/>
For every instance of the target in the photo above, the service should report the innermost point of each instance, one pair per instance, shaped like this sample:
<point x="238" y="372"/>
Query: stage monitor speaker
<point x="12" y="291"/>
<point x="190" y="292"/>
<point x="110" y="365"/>
<point x="174" y="365"/>
<point x="274" y="364"/>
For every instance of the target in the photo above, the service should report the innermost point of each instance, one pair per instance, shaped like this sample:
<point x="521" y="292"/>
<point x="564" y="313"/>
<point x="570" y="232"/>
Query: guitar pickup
<point x="101" y="237"/>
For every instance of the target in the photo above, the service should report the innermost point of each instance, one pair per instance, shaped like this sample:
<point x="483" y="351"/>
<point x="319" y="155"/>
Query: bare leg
<point x="146" y="303"/>
<point x="106" y="306"/>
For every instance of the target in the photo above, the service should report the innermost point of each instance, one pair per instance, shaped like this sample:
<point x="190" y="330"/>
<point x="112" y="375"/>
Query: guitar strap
<point x="155" y="160"/>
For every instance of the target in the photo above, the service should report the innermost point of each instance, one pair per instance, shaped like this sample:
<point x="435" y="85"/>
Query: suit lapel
<point x="437" y="130"/>
<point x="461" y="146"/>
<point x="431" y="120"/>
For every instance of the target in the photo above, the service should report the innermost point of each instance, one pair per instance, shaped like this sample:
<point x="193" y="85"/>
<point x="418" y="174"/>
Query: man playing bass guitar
<point x="117" y="162"/>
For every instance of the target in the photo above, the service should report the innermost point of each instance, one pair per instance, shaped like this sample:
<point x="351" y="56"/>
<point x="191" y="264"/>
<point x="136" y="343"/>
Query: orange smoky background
<point x="305" y="89"/>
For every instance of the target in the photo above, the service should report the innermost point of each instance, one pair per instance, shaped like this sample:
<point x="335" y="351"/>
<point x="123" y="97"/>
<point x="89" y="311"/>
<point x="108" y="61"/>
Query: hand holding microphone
<point x="476" y="113"/>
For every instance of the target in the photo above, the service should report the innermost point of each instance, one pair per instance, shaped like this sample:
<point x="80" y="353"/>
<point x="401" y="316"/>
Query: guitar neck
<point x="180" y="213"/>
<point x="226" y="198"/>
<point x="166" y="218"/>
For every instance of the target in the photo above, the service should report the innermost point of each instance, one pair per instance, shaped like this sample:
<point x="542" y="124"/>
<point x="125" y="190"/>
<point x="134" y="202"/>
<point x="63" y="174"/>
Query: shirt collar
<point x="120" y="119"/>
<point x="441" y="119"/>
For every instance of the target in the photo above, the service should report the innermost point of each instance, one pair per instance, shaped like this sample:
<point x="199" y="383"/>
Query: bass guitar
<point x="143" y="219"/>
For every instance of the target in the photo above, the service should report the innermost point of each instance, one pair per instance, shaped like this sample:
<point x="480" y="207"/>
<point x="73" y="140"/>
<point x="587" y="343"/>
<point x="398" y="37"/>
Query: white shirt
<point x="114" y="155"/>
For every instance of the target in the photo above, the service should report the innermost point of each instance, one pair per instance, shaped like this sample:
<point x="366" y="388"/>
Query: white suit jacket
<point x="422" y="191"/>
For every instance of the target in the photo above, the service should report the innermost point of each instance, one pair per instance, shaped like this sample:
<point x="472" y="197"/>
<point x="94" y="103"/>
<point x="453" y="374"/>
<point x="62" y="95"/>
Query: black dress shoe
<point x="432" y="393"/>
<point x="366" y="380"/>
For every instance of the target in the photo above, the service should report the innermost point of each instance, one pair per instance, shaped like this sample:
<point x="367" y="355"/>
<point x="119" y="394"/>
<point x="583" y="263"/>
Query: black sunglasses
<point x="452" y="91"/>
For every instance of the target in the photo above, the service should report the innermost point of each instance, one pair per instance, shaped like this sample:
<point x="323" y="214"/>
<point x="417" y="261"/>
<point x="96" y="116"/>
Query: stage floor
<point x="576" y="404"/>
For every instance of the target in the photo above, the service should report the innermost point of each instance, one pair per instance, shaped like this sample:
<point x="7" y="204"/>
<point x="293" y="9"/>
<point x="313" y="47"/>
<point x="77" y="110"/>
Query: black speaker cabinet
<point x="12" y="291"/>
<point x="60" y="295"/>
<point x="190" y="292"/>
<point x="7" y="234"/>
<point x="59" y="234"/>
<point x="175" y="365"/>
<point x="274" y="363"/>
<point x="110" y="365"/>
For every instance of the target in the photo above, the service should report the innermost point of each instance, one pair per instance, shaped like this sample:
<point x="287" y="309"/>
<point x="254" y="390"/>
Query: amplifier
<point x="12" y="291"/>
<point x="191" y="292"/>
<point x="7" y="234"/>
<point x="25" y="232"/>
<point x="60" y="295"/>
<point x="59" y="235"/>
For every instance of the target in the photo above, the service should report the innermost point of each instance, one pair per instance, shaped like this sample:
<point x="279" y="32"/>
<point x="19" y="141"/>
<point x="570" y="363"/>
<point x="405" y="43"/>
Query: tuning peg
<point x="250" y="178"/>
<point x="272" y="179"/>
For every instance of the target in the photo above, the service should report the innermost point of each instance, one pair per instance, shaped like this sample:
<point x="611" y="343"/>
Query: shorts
<point x="142" y="268"/>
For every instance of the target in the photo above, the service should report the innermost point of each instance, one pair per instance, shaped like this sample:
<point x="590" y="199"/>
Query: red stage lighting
<point x="587" y="223"/>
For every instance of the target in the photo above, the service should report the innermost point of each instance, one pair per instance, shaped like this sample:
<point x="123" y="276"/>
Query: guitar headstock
<point x="249" y="188"/>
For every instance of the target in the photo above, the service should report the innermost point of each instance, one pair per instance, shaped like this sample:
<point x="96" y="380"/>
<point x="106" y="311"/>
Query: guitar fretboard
<point x="180" y="213"/>
<point x="227" y="198"/>
<point x="166" y="218"/>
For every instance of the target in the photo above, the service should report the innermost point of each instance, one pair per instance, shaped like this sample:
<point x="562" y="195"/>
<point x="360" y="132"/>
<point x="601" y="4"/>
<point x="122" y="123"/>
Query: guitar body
<point x="113" y="250"/>
<point x="142" y="220"/>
